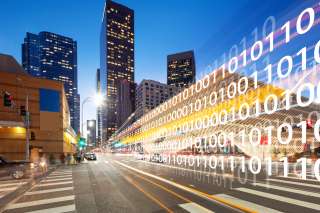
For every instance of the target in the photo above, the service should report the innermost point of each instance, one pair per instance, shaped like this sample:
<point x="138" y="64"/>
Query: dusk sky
<point x="209" y="27"/>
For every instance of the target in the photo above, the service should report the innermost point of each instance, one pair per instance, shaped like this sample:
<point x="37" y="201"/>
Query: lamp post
<point x="82" y="104"/>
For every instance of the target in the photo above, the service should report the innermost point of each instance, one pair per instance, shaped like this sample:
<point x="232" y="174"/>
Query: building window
<point x="49" y="100"/>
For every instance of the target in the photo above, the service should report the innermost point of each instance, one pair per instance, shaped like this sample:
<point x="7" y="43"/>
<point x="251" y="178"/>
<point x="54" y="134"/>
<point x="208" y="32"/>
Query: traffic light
<point x="309" y="124"/>
<point x="7" y="99"/>
<point x="32" y="136"/>
<point x="23" y="111"/>
<point x="82" y="142"/>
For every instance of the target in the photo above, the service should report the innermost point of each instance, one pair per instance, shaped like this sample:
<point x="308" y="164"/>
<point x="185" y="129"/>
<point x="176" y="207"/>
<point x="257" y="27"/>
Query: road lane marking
<point x="193" y="170"/>
<point x="148" y="195"/>
<point x="287" y="189"/>
<point x="294" y="183"/>
<point x="40" y="202"/>
<point x="53" y="184"/>
<point x="254" y="206"/>
<point x="48" y="191"/>
<point x="280" y="198"/>
<point x="191" y="190"/>
<point x="61" y="209"/>
<point x="56" y="179"/>
<point x="194" y="208"/>
<point x="106" y="161"/>
<point x="162" y="187"/>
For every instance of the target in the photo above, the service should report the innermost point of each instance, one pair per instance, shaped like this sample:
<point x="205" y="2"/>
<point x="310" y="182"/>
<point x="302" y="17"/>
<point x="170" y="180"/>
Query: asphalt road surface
<point x="119" y="183"/>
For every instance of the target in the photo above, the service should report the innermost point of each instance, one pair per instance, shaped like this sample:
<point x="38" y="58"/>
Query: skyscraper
<point x="124" y="104"/>
<point x="52" y="56"/>
<point x="150" y="94"/>
<point x="181" y="70"/>
<point x="116" y="61"/>
<point x="98" y="91"/>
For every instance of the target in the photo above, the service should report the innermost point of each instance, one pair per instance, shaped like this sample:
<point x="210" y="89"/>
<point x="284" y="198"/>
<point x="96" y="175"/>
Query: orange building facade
<point x="50" y="133"/>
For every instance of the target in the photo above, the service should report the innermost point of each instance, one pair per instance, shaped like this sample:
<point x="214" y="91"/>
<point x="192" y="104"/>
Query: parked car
<point x="16" y="170"/>
<point x="90" y="156"/>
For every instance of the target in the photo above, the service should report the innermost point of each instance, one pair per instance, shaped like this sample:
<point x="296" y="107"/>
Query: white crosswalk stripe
<point x="55" y="174"/>
<point x="195" y="208"/>
<point x="297" y="183"/>
<point x="299" y="178"/>
<point x="49" y="191"/>
<point x="290" y="193"/>
<point x="53" y="184"/>
<point x="54" y="194"/>
<point x="288" y="189"/>
<point x="249" y="205"/>
<point x="280" y="198"/>
<point x="60" y="209"/>
<point x="56" y="179"/>
<point x="7" y="187"/>
<point x="58" y="176"/>
<point x="11" y="184"/>
<point x="40" y="202"/>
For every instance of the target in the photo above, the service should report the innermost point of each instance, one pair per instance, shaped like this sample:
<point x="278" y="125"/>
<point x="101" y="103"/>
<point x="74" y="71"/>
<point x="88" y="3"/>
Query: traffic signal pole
<point x="27" y="123"/>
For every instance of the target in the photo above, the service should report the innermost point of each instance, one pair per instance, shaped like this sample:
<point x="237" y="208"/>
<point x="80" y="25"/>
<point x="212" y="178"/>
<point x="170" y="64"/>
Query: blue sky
<point x="209" y="27"/>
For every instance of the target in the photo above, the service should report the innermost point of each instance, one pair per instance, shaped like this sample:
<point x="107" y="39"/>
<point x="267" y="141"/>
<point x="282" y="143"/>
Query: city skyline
<point x="176" y="31"/>
<point x="186" y="106"/>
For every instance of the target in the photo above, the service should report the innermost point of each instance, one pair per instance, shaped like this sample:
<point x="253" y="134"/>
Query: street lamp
<point x="97" y="99"/>
<point x="91" y="123"/>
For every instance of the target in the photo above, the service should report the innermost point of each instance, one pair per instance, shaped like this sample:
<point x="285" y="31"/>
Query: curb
<point x="16" y="194"/>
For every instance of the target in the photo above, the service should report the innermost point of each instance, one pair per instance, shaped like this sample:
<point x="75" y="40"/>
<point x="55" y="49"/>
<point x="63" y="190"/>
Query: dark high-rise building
<point x="124" y="104"/>
<point x="91" y="133"/>
<point x="98" y="91"/>
<point x="181" y="69"/>
<point x="31" y="54"/>
<point x="52" y="56"/>
<point x="116" y="61"/>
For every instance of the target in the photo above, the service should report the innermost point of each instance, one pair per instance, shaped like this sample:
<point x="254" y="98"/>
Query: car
<point x="140" y="156"/>
<point x="15" y="170"/>
<point x="156" y="157"/>
<point x="90" y="156"/>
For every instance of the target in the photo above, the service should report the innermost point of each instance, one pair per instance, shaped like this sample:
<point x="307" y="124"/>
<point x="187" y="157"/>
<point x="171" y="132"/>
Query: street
<point x="120" y="183"/>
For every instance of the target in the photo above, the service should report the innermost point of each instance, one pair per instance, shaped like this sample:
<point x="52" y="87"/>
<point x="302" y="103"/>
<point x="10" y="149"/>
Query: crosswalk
<point x="8" y="186"/>
<point x="277" y="194"/>
<point x="194" y="208"/>
<point x="54" y="194"/>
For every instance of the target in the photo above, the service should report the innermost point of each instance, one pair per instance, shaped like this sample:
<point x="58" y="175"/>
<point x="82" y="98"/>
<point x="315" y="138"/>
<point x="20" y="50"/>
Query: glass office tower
<point x="116" y="60"/>
<point x="52" y="56"/>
